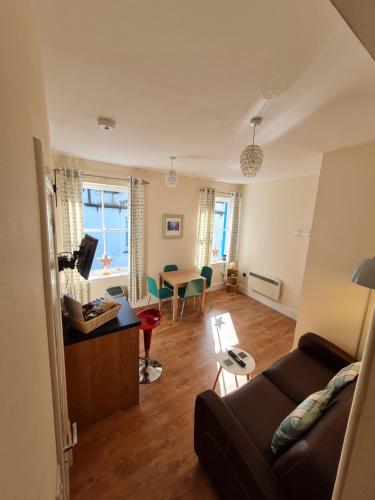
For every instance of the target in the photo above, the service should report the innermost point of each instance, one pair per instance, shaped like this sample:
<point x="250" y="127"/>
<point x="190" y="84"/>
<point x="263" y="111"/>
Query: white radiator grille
<point x="270" y="287"/>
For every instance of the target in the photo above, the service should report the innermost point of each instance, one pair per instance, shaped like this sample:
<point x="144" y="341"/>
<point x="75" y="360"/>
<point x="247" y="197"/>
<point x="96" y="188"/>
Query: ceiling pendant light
<point x="171" y="175"/>
<point x="106" y="124"/>
<point x="252" y="156"/>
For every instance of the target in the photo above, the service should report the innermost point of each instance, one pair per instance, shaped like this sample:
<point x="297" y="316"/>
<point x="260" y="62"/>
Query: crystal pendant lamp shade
<point x="252" y="156"/>
<point x="171" y="175"/>
<point x="251" y="160"/>
<point x="171" y="178"/>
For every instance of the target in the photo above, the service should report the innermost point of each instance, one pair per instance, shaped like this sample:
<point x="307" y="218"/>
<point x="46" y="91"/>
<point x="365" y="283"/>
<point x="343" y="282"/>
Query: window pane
<point x="219" y="242"/>
<point x="115" y="214"/>
<point x="99" y="250"/>
<point x="117" y="248"/>
<point x="220" y="214"/>
<point x="115" y="210"/>
<point x="92" y="208"/>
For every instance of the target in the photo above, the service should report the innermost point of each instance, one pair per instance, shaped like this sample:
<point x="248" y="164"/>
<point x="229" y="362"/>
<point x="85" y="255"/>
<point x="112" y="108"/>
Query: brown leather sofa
<point x="232" y="435"/>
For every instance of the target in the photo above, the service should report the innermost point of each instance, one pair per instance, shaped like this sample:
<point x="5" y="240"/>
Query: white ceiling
<point x="185" y="77"/>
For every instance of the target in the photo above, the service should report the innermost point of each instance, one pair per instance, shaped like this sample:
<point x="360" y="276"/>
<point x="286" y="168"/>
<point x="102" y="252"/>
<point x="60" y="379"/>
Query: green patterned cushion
<point x="300" y="420"/>
<point x="344" y="377"/>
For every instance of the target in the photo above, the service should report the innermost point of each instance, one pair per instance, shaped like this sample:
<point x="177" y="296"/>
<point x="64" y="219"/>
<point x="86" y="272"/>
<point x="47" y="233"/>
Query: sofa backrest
<point x="308" y="468"/>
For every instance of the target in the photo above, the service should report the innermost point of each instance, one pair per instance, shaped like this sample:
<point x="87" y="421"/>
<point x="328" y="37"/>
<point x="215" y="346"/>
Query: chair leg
<point x="182" y="310"/>
<point x="149" y="300"/>
<point x="159" y="304"/>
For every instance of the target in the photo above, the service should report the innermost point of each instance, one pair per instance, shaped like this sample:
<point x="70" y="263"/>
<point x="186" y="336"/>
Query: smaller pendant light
<point x="171" y="175"/>
<point x="252" y="156"/>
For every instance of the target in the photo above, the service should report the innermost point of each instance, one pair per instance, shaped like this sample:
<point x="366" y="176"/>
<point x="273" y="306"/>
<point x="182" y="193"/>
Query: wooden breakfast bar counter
<point x="102" y="368"/>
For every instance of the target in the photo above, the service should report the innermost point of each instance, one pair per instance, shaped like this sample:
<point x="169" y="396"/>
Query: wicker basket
<point x="89" y="326"/>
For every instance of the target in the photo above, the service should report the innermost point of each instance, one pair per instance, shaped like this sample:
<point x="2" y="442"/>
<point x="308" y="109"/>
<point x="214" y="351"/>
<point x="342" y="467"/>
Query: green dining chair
<point x="167" y="269"/>
<point x="206" y="272"/>
<point x="193" y="289"/>
<point x="159" y="293"/>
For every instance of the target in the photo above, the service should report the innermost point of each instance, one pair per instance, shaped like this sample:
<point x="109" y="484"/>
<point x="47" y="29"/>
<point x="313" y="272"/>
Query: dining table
<point x="179" y="279"/>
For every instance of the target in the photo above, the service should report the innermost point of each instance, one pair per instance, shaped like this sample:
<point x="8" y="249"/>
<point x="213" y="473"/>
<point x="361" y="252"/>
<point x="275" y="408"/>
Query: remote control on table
<point x="237" y="359"/>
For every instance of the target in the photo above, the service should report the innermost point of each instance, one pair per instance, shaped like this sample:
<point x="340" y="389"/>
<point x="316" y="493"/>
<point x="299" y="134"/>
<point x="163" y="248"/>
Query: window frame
<point x="115" y="271"/>
<point x="224" y="242"/>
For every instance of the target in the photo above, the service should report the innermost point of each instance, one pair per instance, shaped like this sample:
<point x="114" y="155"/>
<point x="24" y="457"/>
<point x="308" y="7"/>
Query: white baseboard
<point x="216" y="286"/>
<point x="281" y="308"/>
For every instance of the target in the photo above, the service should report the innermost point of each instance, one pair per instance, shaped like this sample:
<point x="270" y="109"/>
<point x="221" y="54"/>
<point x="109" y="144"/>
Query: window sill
<point x="113" y="274"/>
<point x="218" y="262"/>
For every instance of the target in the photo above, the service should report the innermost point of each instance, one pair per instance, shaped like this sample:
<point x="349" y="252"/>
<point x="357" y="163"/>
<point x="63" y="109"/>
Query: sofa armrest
<point x="324" y="351"/>
<point x="228" y="455"/>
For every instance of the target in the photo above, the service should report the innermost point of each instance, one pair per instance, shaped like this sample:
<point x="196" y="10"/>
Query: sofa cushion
<point x="344" y="377"/>
<point x="298" y="374"/>
<point x="308" y="468"/>
<point x="324" y="351"/>
<point x="300" y="420"/>
<point x="260" y="406"/>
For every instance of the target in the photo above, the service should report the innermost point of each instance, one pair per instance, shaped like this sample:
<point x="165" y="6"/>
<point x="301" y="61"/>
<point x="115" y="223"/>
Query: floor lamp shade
<point x="364" y="273"/>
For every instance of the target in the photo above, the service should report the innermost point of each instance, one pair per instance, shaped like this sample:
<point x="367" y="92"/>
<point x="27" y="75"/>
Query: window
<point x="106" y="217"/>
<point x="220" y="235"/>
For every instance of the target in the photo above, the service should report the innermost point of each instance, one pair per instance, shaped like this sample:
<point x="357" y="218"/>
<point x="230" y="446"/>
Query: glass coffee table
<point x="230" y="365"/>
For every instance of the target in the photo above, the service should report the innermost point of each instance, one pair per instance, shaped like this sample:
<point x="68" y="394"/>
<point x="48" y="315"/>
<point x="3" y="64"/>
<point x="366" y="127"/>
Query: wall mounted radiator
<point x="270" y="287"/>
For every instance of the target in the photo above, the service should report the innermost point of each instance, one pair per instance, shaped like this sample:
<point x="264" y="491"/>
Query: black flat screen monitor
<point x="86" y="254"/>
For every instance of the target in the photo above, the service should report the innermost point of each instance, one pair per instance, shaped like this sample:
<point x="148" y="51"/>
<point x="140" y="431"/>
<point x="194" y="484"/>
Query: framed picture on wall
<point x="172" y="226"/>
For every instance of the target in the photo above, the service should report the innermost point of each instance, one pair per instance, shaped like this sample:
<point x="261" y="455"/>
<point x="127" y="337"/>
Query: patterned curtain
<point x="205" y="227"/>
<point x="234" y="228"/>
<point x="72" y="225"/>
<point x="136" y="238"/>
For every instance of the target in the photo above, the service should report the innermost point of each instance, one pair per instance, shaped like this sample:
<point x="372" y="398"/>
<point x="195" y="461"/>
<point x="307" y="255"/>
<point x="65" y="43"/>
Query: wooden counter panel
<point x="102" y="376"/>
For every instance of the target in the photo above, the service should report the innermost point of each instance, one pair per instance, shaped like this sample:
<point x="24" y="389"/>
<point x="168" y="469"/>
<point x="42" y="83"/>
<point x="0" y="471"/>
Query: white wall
<point x="343" y="233"/>
<point x="272" y="212"/>
<point x="183" y="199"/>
<point x="28" y="464"/>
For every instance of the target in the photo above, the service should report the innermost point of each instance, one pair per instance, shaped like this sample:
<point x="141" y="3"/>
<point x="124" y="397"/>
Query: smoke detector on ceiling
<point x="106" y="124"/>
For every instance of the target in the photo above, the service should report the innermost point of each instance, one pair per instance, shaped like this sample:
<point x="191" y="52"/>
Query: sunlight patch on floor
<point x="225" y="336"/>
<point x="223" y="331"/>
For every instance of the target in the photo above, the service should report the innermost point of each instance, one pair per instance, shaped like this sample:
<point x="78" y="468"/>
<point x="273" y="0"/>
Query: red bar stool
<point x="149" y="369"/>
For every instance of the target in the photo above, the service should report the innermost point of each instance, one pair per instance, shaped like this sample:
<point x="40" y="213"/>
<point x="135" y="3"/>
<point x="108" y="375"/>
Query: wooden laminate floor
<point x="147" y="451"/>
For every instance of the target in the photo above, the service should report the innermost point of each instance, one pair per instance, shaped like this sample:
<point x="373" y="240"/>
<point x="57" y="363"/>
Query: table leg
<point x="236" y="381"/>
<point x="203" y="299"/>
<point x="248" y="376"/>
<point x="217" y="378"/>
<point x="175" y="303"/>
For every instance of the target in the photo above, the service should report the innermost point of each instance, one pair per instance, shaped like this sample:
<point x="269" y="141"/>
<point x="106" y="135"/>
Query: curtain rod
<point x="221" y="192"/>
<point x="225" y="192"/>
<point x="86" y="174"/>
